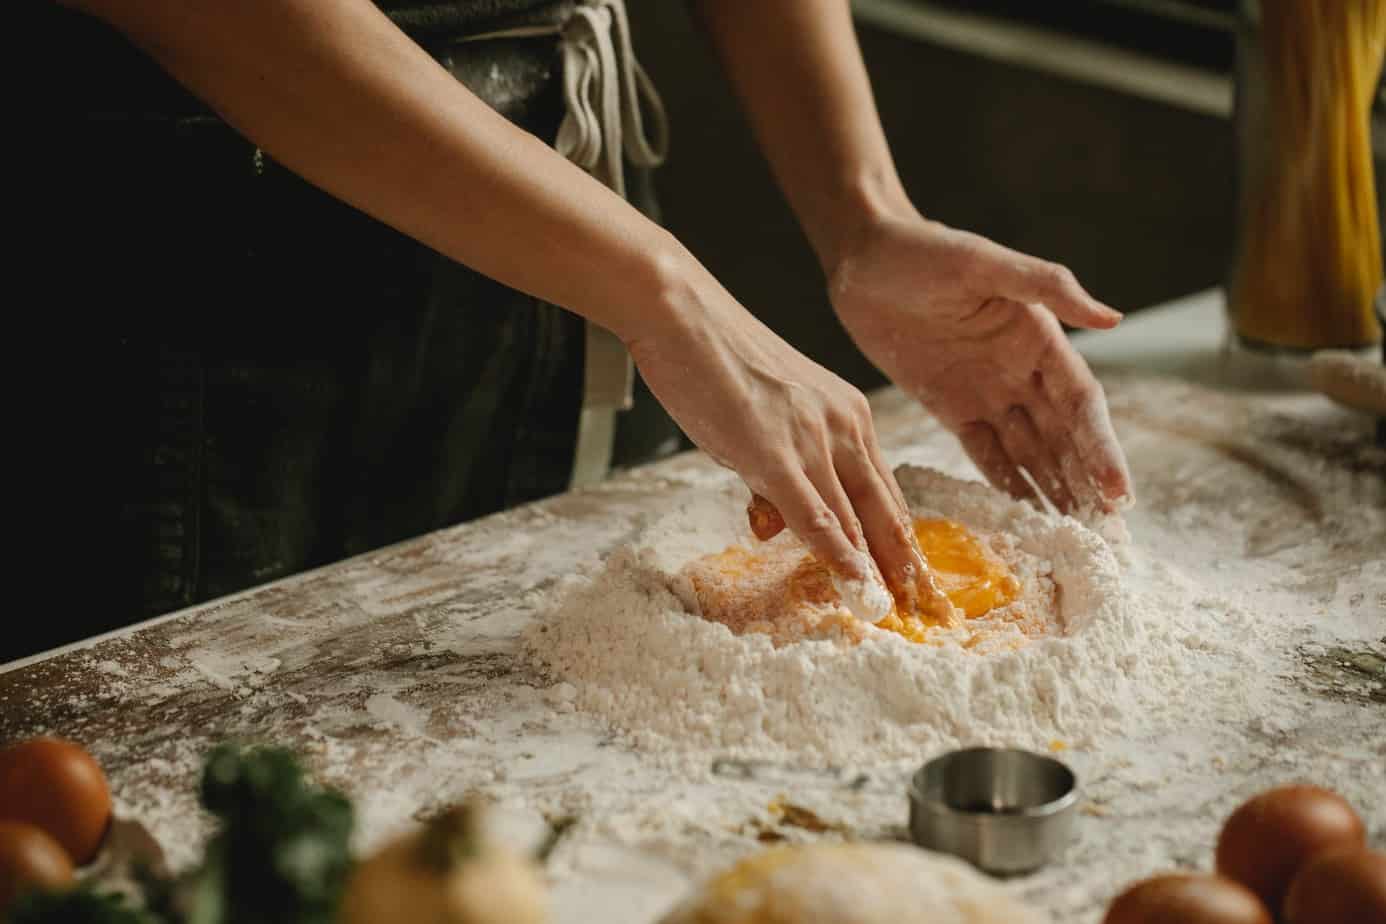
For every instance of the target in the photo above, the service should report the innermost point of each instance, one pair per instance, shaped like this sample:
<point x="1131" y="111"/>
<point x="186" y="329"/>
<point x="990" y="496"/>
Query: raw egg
<point x="760" y="587"/>
<point x="1338" y="886"/>
<point x="970" y="574"/>
<point x="1266" y="841"/>
<point x="29" y="859"/>
<point x="1187" y="898"/>
<point x="59" y="787"/>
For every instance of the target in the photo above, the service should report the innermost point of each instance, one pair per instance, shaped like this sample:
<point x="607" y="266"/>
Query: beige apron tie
<point x="604" y="87"/>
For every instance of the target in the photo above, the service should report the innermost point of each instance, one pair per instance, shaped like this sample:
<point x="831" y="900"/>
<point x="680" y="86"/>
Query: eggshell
<point x="1187" y="898"/>
<point x="55" y="785"/>
<point x="29" y="859"/>
<point x="1264" y="843"/>
<point x="1337" y="886"/>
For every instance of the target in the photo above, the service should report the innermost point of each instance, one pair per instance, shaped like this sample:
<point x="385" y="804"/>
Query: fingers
<point x="845" y="492"/>
<point x="764" y="518"/>
<point x="829" y="486"/>
<point x="1076" y="397"/>
<point x="1055" y="431"/>
<point x="984" y="448"/>
<point x="1096" y="440"/>
<point x="1050" y="448"/>
<point x="1056" y="287"/>
<point x="885" y="521"/>
<point x="914" y="585"/>
<point x="1025" y="446"/>
<point x="813" y="519"/>
<point x="873" y="452"/>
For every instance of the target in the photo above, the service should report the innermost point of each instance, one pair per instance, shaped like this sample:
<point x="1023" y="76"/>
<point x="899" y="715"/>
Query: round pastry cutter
<point x="1005" y="810"/>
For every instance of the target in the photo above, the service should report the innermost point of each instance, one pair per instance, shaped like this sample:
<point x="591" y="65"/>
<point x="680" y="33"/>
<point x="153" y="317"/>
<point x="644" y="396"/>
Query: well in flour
<point x="633" y="644"/>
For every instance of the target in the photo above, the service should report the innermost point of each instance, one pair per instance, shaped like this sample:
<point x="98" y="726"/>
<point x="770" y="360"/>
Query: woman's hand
<point x="964" y="325"/>
<point x="971" y="330"/>
<point x="798" y="435"/>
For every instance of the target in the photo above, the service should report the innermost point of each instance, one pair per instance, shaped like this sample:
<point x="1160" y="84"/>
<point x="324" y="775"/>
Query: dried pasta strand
<point x="1309" y="262"/>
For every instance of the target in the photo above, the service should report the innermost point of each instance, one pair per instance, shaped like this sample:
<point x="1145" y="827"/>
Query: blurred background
<point x="1092" y="132"/>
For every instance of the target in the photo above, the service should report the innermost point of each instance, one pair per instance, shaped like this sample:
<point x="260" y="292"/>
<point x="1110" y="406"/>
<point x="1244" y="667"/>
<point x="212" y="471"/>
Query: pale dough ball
<point x="851" y="884"/>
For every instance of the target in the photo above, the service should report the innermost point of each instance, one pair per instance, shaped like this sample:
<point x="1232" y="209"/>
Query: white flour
<point x="629" y="650"/>
<point x="1242" y="649"/>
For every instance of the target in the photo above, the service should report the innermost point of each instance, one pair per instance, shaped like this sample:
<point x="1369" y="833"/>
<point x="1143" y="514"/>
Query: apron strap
<point x="607" y="95"/>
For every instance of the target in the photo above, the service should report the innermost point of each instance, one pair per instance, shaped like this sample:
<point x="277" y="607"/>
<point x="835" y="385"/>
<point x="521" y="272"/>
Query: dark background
<point x="1135" y="196"/>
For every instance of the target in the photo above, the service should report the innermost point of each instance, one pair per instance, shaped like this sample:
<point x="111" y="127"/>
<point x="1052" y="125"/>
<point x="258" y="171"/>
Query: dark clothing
<point x="278" y="381"/>
<point x="430" y="19"/>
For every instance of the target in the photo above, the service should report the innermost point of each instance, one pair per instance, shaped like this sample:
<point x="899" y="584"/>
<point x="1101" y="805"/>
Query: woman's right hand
<point x="798" y="435"/>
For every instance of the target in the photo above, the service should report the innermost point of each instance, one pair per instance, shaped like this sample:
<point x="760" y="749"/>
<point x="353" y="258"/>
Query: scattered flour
<point x="1236" y="645"/>
<point x="634" y="652"/>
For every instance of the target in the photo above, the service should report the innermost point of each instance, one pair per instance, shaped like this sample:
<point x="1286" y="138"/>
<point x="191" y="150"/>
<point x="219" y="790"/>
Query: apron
<point x="277" y="381"/>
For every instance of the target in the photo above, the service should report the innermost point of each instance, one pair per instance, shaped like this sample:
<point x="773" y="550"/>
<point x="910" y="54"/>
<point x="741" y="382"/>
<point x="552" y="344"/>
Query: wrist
<point x="861" y="205"/>
<point x="668" y="292"/>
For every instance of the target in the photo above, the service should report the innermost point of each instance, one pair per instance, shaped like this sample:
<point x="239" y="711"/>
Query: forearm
<point x="799" y="73"/>
<point x="334" y="91"/>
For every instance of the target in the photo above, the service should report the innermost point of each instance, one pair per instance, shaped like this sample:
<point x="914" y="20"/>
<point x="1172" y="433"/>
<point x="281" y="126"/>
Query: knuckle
<point x="858" y="406"/>
<point x="820" y="522"/>
<point x="1060" y="276"/>
<point x="850" y="413"/>
<point x="838" y="424"/>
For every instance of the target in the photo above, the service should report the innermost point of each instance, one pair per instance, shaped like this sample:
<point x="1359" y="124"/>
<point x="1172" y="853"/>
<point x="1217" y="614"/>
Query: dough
<point x="851" y="884"/>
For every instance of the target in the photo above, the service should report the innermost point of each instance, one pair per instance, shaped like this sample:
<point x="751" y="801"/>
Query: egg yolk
<point x="973" y="578"/>
<point x="970" y="575"/>
<point x="740" y="587"/>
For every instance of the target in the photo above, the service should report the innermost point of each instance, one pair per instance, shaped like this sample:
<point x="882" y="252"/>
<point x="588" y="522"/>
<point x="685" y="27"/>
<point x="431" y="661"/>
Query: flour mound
<point x="668" y="681"/>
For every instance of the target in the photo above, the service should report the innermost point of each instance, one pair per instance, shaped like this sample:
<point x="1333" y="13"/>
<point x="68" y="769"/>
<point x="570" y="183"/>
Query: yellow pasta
<point x="1308" y="264"/>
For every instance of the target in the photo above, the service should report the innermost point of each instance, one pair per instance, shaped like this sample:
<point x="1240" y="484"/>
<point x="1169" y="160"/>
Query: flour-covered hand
<point x="799" y="436"/>
<point x="971" y="330"/>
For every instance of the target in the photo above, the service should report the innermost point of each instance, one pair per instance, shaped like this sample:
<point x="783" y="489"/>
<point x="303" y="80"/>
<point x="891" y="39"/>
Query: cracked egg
<point x="780" y="589"/>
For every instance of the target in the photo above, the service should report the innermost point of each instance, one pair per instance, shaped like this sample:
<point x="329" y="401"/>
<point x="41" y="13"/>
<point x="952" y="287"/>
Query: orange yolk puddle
<point x="970" y="575"/>
<point x="739" y="586"/>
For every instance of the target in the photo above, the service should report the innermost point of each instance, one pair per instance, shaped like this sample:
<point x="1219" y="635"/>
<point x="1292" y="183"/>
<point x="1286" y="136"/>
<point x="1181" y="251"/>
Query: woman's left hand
<point x="971" y="330"/>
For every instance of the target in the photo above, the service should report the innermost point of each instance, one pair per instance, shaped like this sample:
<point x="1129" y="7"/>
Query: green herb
<point x="77" y="906"/>
<point x="281" y="856"/>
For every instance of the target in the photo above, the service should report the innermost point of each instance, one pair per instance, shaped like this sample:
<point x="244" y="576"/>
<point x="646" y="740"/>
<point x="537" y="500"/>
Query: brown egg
<point x="1265" y="842"/>
<point x="59" y="787"/>
<point x="1339" y="886"/>
<point x="1187" y="898"/>
<point x="29" y="859"/>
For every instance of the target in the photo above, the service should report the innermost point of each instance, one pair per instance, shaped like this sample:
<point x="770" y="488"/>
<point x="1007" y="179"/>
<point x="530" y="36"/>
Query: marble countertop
<point x="397" y="673"/>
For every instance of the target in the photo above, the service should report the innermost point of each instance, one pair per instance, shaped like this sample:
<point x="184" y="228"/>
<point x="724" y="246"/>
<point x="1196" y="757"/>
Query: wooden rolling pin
<point x="1349" y="379"/>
